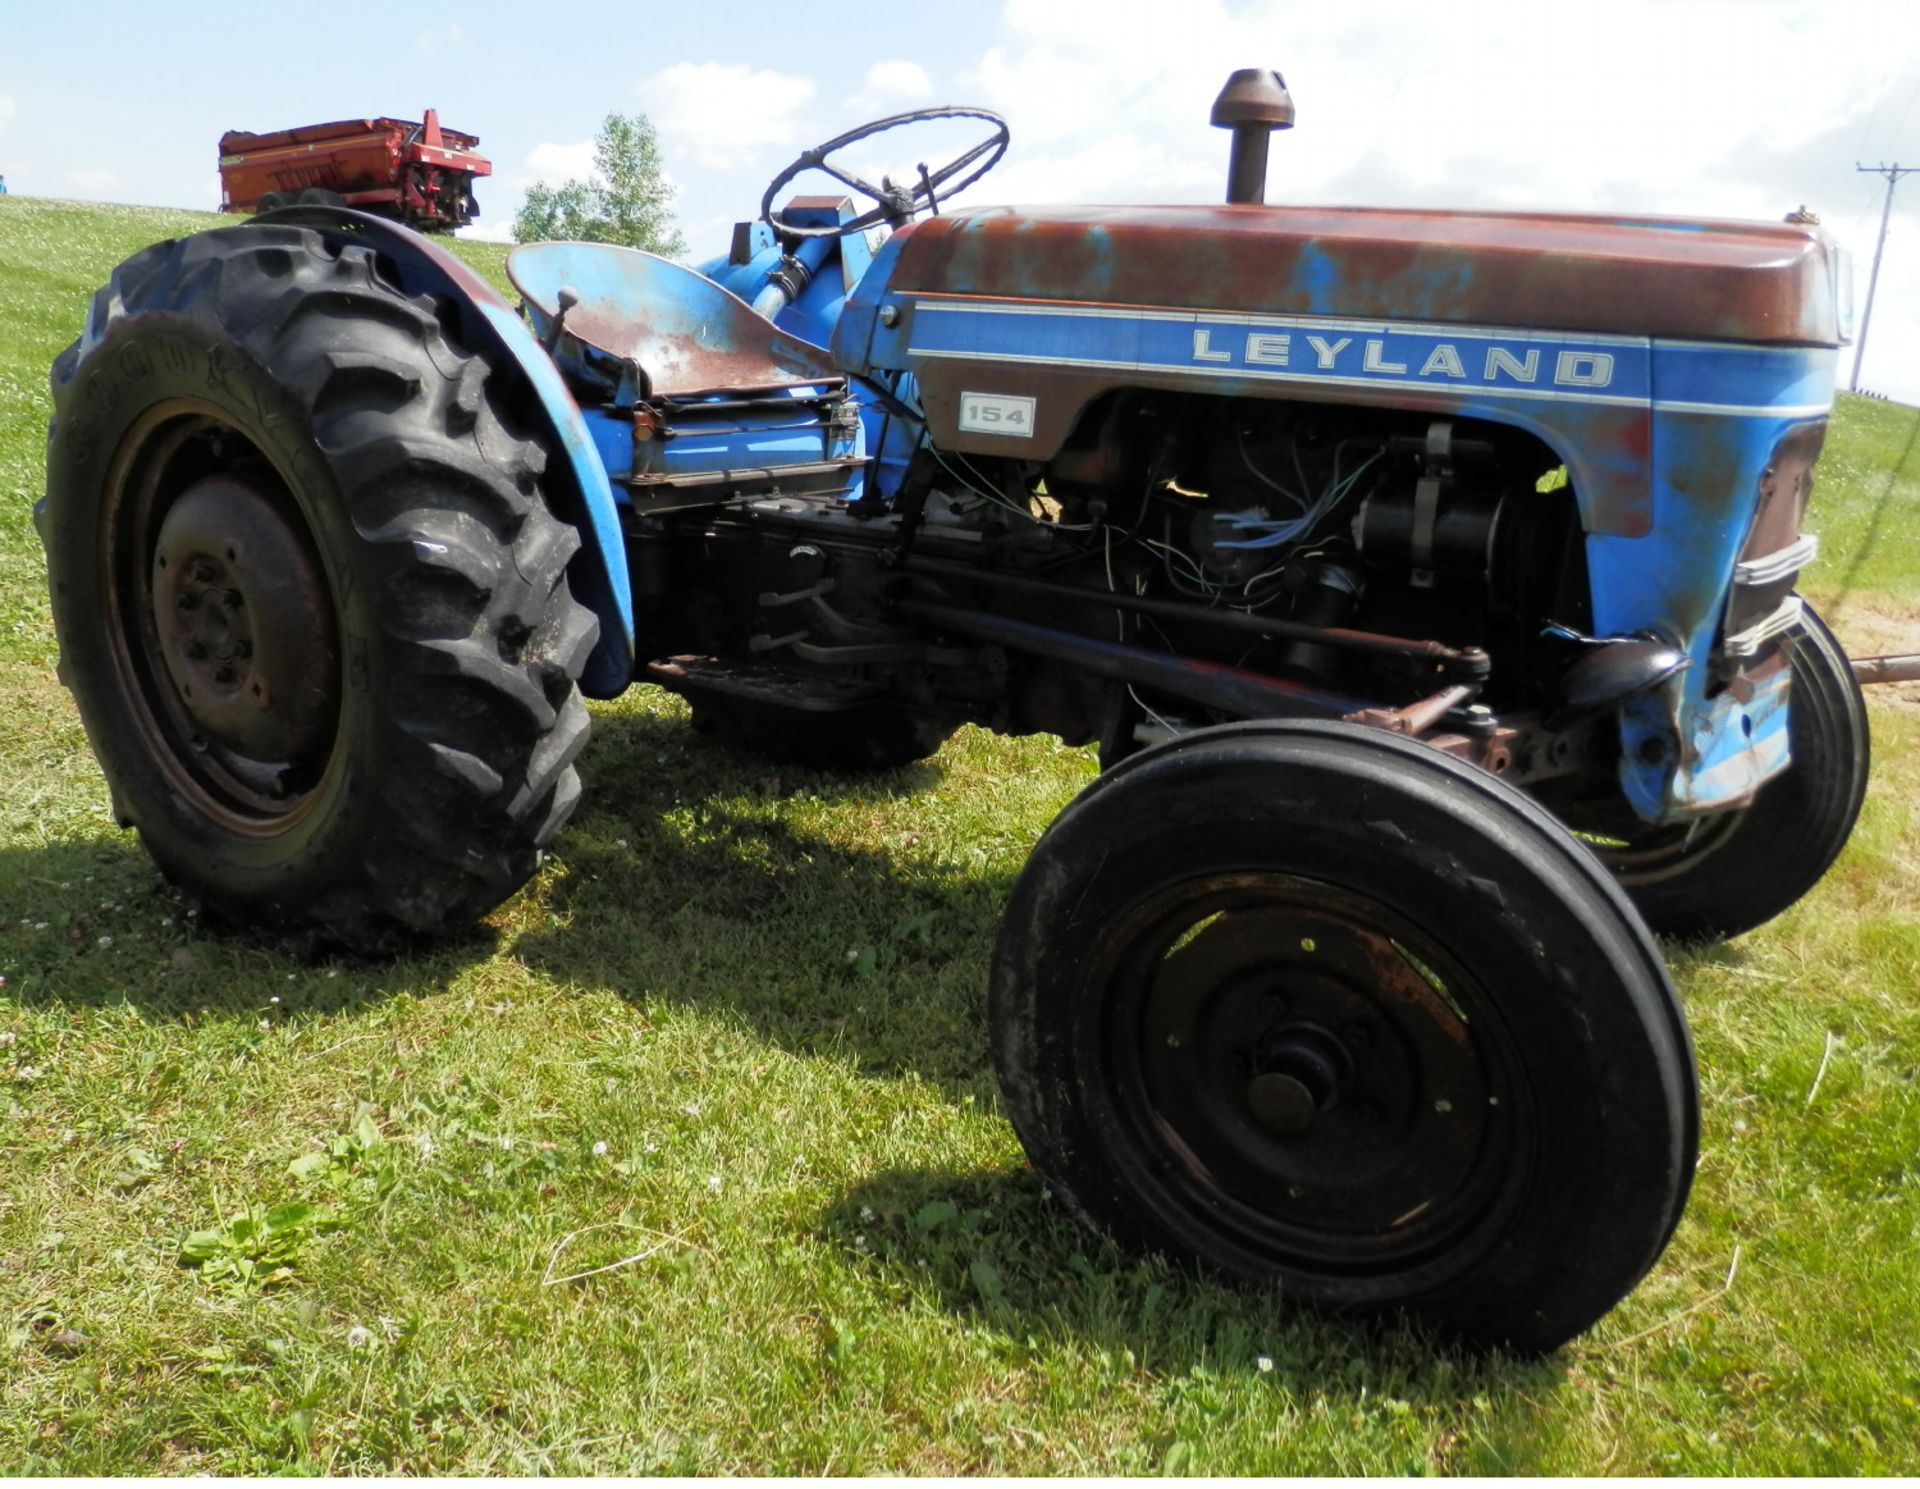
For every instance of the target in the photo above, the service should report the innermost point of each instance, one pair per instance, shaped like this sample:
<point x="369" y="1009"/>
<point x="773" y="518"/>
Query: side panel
<point x="1721" y="414"/>
<point x="1666" y="442"/>
<point x="1588" y="397"/>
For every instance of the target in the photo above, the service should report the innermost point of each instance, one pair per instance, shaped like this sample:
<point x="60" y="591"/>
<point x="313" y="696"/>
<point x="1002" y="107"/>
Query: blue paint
<point x="1675" y="580"/>
<point x="710" y="443"/>
<point x="1744" y="376"/>
<point x="611" y="430"/>
<point x="853" y="344"/>
<point x="837" y="264"/>
<point x="1318" y="276"/>
<point x="890" y="433"/>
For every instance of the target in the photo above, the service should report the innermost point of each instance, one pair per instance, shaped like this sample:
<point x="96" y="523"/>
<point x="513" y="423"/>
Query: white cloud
<point x="1698" y="108"/>
<point x="557" y="163"/>
<point x="94" y="179"/>
<point x="1567" y="103"/>
<point x="488" y="232"/>
<point x="724" y="114"/>
<point x="1119" y="168"/>
<point x="895" y="84"/>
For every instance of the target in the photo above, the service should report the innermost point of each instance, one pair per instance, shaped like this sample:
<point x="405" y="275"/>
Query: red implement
<point x="413" y="172"/>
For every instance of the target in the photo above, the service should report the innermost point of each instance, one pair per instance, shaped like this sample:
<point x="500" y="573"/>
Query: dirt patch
<point x="1882" y="628"/>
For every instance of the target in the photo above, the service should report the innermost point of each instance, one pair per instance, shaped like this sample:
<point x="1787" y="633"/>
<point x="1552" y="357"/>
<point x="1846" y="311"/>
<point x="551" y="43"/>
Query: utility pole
<point x="1893" y="173"/>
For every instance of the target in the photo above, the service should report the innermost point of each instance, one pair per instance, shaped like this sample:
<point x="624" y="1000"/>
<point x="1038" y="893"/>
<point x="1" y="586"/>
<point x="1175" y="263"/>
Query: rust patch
<point x="1754" y="282"/>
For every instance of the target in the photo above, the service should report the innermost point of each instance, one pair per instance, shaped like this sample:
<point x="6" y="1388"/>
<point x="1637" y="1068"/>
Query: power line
<point x="1893" y="173"/>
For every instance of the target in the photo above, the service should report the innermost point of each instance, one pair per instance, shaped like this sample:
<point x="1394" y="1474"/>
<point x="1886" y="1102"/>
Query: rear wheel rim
<point x="1662" y="853"/>
<point x="1297" y="1076"/>
<point x="221" y="620"/>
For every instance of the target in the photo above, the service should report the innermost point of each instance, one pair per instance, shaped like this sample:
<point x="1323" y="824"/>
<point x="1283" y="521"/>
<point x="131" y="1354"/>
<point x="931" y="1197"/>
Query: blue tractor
<point x="1424" y="579"/>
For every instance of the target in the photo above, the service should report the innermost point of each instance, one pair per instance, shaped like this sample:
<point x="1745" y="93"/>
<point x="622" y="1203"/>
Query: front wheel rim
<point x="1295" y="1077"/>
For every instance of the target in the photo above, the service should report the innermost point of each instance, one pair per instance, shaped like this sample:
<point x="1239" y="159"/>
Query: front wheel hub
<point x="1300" y="1065"/>
<point x="1306" y="1073"/>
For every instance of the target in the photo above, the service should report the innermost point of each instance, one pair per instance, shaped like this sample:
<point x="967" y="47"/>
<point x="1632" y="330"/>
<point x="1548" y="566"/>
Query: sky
<point x="1740" y="110"/>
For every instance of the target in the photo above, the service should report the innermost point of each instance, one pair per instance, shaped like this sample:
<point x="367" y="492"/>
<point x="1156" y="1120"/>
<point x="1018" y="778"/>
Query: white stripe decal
<point x="1749" y="767"/>
<point x="1745" y="410"/>
<point x="940" y="305"/>
<point x="1503" y="390"/>
<point x="1267" y="375"/>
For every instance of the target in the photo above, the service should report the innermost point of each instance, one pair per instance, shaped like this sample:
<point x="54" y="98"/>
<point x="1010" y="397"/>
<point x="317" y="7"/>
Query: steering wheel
<point x="893" y="204"/>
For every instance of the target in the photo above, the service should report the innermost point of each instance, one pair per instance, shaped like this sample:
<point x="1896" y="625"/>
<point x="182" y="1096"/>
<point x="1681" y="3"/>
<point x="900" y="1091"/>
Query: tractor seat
<point x="687" y="334"/>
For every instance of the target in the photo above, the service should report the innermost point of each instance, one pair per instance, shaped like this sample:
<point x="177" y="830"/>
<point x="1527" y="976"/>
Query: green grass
<point x="762" y="992"/>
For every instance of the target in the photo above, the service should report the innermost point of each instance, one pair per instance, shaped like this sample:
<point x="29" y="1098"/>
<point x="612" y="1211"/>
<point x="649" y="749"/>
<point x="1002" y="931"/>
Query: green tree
<point x="627" y="200"/>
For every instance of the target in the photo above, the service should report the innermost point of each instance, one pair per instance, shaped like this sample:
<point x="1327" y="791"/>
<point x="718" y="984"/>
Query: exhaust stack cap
<point x="1254" y="103"/>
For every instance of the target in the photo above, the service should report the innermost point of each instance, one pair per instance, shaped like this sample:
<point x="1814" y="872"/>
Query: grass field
<point x="257" y="1213"/>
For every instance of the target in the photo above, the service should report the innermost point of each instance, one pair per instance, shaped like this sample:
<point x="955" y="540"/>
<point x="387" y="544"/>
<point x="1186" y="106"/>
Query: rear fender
<point x="576" y="482"/>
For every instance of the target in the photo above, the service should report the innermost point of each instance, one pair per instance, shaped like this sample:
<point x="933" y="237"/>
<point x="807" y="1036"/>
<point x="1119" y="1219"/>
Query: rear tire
<point x="1313" y="1005"/>
<point x="1729" y="873"/>
<point x="311" y="605"/>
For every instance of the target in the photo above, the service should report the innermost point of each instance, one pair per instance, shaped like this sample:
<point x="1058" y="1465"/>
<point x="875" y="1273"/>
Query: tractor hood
<point x="1647" y="276"/>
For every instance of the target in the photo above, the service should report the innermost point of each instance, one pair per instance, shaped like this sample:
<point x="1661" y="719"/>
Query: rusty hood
<point x="1640" y="276"/>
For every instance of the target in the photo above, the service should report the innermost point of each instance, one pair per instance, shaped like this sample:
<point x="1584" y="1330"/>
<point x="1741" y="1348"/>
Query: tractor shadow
<point x="679" y="880"/>
<point x="686" y="882"/>
<point x="999" y="1253"/>
<point x="692" y="877"/>
<point x="90" y="923"/>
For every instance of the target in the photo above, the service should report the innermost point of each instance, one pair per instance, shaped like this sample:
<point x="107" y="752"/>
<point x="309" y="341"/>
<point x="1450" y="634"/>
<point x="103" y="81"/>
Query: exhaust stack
<point x="1254" y="103"/>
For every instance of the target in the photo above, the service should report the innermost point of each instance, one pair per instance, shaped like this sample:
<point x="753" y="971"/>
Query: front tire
<point x="1311" y="1004"/>
<point x="310" y="602"/>
<point x="1726" y="874"/>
